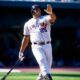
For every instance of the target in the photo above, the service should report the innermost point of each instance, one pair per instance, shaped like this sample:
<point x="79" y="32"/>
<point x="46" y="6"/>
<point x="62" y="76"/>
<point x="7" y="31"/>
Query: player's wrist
<point x="20" y="52"/>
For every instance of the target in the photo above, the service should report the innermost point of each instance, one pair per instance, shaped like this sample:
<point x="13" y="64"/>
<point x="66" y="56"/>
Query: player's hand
<point x="21" y="56"/>
<point x="49" y="9"/>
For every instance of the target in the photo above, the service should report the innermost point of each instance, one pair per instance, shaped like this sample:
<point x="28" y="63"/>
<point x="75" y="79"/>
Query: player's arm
<point x="51" y="14"/>
<point x="23" y="46"/>
<point x="25" y="39"/>
<point x="52" y="18"/>
<point x="24" y="43"/>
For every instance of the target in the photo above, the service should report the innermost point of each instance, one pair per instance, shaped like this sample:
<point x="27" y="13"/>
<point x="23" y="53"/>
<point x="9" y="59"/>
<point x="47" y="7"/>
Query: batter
<point x="37" y="30"/>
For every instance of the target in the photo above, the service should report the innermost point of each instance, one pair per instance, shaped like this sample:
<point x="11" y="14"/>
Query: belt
<point x="42" y="43"/>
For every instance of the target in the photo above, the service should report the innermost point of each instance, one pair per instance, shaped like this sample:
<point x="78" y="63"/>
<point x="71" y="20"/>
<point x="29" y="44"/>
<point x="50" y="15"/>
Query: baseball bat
<point x="5" y="76"/>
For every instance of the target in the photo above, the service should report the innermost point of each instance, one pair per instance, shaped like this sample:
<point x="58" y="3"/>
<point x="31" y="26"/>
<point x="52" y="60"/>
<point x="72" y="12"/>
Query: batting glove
<point x="21" y="56"/>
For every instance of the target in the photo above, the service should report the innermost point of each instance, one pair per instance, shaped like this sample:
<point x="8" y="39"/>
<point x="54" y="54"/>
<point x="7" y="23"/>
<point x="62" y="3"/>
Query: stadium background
<point x="65" y="33"/>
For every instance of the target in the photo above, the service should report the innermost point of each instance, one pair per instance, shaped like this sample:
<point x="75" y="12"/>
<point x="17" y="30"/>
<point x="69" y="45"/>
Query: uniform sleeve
<point x="26" y="30"/>
<point x="47" y="17"/>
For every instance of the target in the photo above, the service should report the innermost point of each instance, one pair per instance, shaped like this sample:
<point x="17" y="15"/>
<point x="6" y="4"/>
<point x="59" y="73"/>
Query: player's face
<point x="37" y="12"/>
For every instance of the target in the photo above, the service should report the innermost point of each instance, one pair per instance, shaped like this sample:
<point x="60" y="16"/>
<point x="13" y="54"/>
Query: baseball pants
<point x="43" y="55"/>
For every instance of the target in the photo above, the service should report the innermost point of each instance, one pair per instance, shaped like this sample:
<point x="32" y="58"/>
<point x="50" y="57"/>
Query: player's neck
<point x="35" y="17"/>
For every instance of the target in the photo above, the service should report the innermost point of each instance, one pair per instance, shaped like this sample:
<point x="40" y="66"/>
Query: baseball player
<point x="37" y="30"/>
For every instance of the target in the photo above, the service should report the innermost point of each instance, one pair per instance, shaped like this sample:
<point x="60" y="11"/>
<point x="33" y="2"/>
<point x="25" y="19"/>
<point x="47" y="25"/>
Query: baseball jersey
<point x="38" y="29"/>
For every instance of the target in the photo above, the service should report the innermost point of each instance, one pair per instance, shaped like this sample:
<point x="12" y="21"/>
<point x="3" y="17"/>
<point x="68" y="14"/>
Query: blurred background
<point x="65" y="32"/>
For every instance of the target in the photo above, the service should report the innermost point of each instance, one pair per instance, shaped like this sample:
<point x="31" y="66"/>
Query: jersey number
<point x="43" y="30"/>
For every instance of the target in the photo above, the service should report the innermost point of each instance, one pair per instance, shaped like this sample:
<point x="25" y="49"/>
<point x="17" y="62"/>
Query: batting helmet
<point x="34" y="7"/>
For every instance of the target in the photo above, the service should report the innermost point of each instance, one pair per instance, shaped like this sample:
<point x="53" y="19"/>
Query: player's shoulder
<point x="28" y="22"/>
<point x="47" y="17"/>
<point x="44" y="16"/>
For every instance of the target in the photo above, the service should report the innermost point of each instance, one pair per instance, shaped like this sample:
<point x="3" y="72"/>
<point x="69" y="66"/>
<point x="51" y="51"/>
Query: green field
<point x="64" y="75"/>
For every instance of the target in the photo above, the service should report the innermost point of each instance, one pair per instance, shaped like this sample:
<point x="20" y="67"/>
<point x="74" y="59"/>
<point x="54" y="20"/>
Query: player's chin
<point x="39" y="14"/>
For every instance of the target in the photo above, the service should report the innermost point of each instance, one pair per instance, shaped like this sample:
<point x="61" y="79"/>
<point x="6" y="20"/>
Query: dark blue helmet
<point x="34" y="7"/>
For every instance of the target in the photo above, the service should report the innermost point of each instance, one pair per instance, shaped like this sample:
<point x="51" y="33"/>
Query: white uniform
<point x="39" y="30"/>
